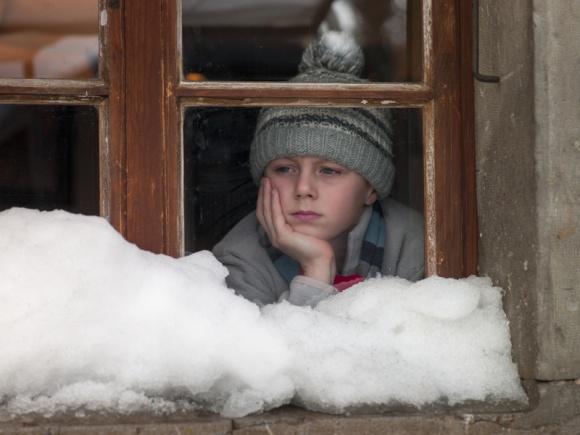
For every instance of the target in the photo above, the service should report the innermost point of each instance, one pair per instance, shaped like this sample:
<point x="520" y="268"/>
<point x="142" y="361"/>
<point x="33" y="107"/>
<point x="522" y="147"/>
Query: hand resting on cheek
<point x="316" y="256"/>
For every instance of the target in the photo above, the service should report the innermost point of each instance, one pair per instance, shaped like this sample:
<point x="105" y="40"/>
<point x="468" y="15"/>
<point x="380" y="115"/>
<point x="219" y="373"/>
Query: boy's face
<point x="319" y="198"/>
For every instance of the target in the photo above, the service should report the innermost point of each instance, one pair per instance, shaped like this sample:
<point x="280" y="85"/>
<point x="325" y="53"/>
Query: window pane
<point x="219" y="190"/>
<point x="50" y="157"/>
<point x="55" y="39"/>
<point x="263" y="40"/>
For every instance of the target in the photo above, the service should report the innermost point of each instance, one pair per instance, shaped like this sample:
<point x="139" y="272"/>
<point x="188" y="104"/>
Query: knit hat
<point x="356" y="137"/>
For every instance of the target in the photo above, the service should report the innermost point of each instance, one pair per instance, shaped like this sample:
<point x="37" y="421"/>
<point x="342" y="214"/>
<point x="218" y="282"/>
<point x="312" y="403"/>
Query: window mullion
<point x="450" y="208"/>
<point x="144" y="103"/>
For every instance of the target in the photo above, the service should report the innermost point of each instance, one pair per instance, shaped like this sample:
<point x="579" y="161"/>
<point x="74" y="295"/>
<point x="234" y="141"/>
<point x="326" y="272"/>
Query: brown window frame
<point x="142" y="95"/>
<point x="107" y="93"/>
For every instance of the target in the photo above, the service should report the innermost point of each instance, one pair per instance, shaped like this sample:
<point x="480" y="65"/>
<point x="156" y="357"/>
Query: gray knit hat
<point x="358" y="138"/>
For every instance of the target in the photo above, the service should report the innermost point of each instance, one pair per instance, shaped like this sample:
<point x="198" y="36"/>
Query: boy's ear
<point x="371" y="196"/>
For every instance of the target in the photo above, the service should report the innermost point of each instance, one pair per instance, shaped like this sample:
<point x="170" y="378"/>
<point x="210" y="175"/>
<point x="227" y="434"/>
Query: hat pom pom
<point x="334" y="51"/>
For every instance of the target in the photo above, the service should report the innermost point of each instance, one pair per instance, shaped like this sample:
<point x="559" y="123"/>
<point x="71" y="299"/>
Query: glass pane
<point x="50" y="157"/>
<point x="219" y="190"/>
<point x="49" y="39"/>
<point x="263" y="40"/>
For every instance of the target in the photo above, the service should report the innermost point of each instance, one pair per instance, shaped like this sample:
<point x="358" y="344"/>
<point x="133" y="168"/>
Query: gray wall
<point x="506" y="179"/>
<point x="557" y="102"/>
<point x="528" y="160"/>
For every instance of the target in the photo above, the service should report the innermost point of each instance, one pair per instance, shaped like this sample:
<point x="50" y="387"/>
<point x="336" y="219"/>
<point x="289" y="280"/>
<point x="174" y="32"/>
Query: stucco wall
<point x="528" y="162"/>
<point x="557" y="108"/>
<point x="506" y="179"/>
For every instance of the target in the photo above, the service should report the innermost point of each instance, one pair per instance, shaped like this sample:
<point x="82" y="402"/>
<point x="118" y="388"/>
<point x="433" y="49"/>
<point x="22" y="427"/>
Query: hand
<point x="316" y="256"/>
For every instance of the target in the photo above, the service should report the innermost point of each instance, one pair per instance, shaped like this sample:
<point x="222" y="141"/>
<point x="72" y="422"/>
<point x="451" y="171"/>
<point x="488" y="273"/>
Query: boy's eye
<point x="330" y="171"/>
<point x="283" y="169"/>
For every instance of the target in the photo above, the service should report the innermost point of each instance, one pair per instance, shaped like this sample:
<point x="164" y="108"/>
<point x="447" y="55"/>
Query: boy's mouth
<point x="305" y="216"/>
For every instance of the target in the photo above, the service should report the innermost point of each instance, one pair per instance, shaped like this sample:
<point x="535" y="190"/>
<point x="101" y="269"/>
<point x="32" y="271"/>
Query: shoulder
<point x="402" y="217"/>
<point x="243" y="244"/>
<point x="244" y="235"/>
<point x="404" y="254"/>
<point x="251" y="271"/>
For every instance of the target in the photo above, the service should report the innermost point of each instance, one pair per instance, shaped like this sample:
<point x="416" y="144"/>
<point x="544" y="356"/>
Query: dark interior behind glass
<point x="263" y="40"/>
<point x="50" y="157"/>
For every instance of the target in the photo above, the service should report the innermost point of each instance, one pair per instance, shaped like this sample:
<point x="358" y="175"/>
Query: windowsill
<point x="287" y="419"/>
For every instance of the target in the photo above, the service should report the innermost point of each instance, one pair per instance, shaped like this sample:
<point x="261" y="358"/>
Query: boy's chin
<point x="314" y="233"/>
<point x="308" y="231"/>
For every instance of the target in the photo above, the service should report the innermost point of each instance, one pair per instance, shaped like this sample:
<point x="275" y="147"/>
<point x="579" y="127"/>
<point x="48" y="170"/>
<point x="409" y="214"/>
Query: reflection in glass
<point x="264" y="39"/>
<point x="50" y="39"/>
<point x="219" y="190"/>
<point x="50" y="157"/>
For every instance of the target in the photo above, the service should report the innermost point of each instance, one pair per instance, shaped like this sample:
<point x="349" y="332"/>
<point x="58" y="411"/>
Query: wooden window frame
<point x="142" y="96"/>
<point x="107" y="92"/>
<point x="154" y="179"/>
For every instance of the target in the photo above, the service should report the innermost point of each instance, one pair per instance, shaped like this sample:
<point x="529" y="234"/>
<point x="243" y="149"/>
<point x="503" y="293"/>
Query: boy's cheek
<point x="279" y="186"/>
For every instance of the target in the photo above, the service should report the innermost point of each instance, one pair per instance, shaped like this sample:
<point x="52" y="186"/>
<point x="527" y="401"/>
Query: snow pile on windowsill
<point x="91" y="322"/>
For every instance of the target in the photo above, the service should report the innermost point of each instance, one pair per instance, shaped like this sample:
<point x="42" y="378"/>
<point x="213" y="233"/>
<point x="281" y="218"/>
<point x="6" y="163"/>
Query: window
<point x="147" y="92"/>
<point x="218" y="188"/>
<point x="50" y="157"/>
<point x="61" y="138"/>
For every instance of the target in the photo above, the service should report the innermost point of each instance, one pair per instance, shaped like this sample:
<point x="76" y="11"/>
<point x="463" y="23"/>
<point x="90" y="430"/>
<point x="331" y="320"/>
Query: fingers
<point x="260" y="213"/>
<point x="270" y="215"/>
<point x="279" y="224"/>
<point x="264" y="209"/>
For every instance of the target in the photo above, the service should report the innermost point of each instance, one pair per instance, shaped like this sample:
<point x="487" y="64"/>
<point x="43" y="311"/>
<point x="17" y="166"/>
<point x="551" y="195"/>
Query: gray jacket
<point x="253" y="275"/>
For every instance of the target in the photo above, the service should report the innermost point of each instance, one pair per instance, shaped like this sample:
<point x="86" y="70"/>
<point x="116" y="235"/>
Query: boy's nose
<point x="305" y="186"/>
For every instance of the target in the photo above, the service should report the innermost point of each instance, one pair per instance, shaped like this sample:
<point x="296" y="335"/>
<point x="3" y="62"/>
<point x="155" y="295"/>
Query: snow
<point x="89" y="321"/>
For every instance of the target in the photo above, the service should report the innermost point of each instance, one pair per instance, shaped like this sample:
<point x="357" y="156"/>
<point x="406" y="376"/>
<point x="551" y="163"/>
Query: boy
<point x="324" y="177"/>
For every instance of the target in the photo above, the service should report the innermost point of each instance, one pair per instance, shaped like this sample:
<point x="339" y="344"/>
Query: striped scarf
<point x="371" y="256"/>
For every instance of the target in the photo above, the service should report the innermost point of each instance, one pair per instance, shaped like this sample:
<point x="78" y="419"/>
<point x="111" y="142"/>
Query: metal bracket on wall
<point x="475" y="22"/>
